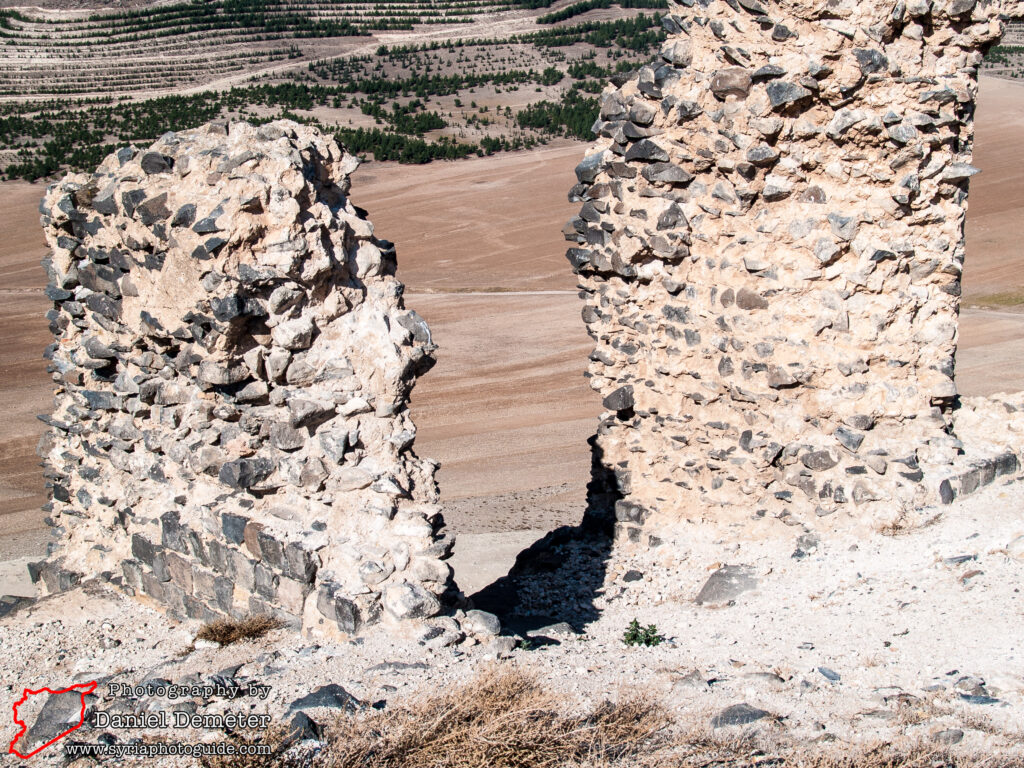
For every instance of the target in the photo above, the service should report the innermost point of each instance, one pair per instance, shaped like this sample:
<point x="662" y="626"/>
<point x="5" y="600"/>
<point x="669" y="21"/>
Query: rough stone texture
<point x="232" y="365"/>
<point x="772" y="275"/>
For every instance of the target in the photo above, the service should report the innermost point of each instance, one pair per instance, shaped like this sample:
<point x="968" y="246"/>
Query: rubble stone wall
<point x="232" y="363"/>
<point x="770" y="248"/>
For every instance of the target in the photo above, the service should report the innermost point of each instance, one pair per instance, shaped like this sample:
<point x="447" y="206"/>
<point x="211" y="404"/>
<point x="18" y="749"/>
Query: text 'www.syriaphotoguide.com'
<point x="164" y="749"/>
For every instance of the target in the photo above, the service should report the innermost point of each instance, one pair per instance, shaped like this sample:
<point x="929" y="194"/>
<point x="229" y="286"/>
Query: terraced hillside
<point x="168" y="47"/>
<point x="1007" y="58"/>
<point x="184" y="44"/>
<point x="435" y="91"/>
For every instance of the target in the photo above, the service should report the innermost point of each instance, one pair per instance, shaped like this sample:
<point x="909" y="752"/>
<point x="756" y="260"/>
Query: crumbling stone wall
<point x="769" y="247"/>
<point x="233" y="363"/>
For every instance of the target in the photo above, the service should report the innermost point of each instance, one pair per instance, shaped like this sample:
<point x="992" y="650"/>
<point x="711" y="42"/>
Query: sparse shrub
<point x="227" y="631"/>
<point x="637" y="635"/>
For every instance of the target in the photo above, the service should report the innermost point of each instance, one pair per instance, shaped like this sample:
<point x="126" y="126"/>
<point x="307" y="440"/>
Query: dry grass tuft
<point x="227" y="631"/>
<point x="502" y="719"/>
<point x="505" y="718"/>
<point x="903" y="524"/>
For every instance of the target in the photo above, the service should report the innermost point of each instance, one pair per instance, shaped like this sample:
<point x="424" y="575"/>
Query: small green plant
<point x="637" y="635"/>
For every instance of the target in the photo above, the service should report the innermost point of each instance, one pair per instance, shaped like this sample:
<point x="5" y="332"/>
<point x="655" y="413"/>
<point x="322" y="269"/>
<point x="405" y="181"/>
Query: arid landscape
<point x="506" y="410"/>
<point x="884" y="645"/>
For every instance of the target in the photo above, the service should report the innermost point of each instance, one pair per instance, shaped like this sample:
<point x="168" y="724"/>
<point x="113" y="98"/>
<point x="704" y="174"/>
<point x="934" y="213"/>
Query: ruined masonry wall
<point x="770" y="247"/>
<point x="232" y="364"/>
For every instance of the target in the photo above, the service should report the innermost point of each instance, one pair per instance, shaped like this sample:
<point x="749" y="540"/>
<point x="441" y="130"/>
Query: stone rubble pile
<point x="770" y="248"/>
<point x="232" y="363"/>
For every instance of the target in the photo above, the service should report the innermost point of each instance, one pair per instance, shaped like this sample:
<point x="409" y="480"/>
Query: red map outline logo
<point x="83" y="688"/>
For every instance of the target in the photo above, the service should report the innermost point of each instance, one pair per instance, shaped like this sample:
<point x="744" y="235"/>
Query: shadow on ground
<point x="558" y="578"/>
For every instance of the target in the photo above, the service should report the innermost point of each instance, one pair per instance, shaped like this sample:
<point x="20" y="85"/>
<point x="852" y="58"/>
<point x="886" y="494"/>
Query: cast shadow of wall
<point x="558" y="578"/>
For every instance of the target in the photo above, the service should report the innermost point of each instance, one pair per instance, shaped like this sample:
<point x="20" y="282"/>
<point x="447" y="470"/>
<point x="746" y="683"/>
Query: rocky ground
<point x="913" y="636"/>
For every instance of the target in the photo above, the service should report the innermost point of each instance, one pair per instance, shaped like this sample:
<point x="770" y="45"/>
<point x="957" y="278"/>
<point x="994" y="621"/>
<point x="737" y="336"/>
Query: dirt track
<point x="506" y="410"/>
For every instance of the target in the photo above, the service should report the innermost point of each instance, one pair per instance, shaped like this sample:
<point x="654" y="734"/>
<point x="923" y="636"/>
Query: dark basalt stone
<point x="577" y="192"/>
<point x="753" y="7"/>
<point x="586" y="171"/>
<point x="613" y="107"/>
<point x="870" y="61"/>
<point x="96" y="349"/>
<point x="630" y="512"/>
<point x="335" y="606"/>
<point x="208" y="225"/>
<point x="155" y="162"/>
<point x="647" y="150"/>
<point x="672" y="218"/>
<point x="245" y="473"/>
<point x="233" y="527"/>
<point x="818" y="460"/>
<point x="105" y="205"/>
<point x="748" y="300"/>
<point x="731" y="81"/>
<point x="667" y="173"/>
<point x="213" y="245"/>
<point x="618" y="170"/>
<point x="131" y="199"/>
<point x="99" y="400"/>
<point x="53" y="293"/>
<point x="762" y="155"/>
<point x="849" y="438"/>
<point x="285" y="437"/>
<point x="579" y="257"/>
<point x="619" y="400"/>
<point x="227" y="308"/>
<point x="814" y="194"/>
<point x="185" y="216"/>
<point x="687" y="110"/>
<point x="780" y="33"/>
<point x="781" y="93"/>
<point x="153" y="210"/>
<point x="768" y="72"/>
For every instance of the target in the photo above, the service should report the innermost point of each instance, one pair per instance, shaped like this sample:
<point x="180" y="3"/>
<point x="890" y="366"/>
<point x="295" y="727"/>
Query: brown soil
<point x="995" y="219"/>
<point x="24" y="383"/>
<point x="506" y="410"/>
<point x="486" y="224"/>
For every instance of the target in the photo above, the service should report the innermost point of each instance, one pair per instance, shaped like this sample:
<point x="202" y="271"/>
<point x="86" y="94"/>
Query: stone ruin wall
<point x="232" y="365"/>
<point x="770" y="247"/>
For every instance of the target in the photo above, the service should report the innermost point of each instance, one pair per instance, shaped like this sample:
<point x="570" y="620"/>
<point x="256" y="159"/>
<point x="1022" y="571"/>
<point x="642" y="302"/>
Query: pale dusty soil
<point x="898" y="622"/>
<point x="506" y="410"/>
<point x="484" y="224"/>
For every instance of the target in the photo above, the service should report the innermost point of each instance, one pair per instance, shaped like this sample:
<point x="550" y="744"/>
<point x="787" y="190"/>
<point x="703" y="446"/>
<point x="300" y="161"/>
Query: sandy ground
<point x="506" y="410"/>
